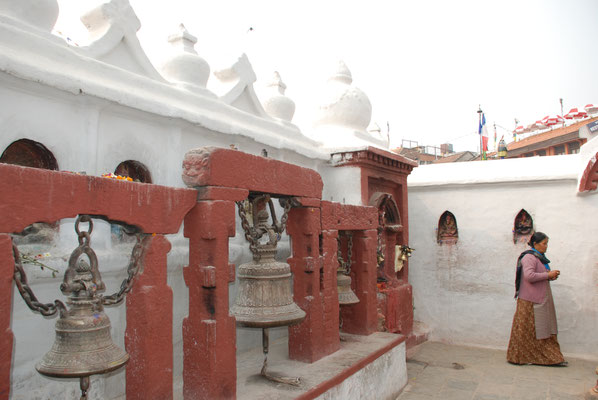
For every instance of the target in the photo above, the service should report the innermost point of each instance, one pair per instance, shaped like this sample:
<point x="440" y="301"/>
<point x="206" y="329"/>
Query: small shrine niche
<point x="134" y="170"/>
<point x="29" y="153"/>
<point x="447" y="233"/>
<point x="389" y="235"/>
<point x="523" y="227"/>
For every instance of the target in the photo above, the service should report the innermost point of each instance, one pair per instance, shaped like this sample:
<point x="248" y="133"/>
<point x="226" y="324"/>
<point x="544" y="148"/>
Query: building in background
<point x="564" y="140"/>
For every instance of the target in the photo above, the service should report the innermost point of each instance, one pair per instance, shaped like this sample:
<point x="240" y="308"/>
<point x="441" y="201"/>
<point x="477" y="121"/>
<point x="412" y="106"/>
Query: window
<point x="559" y="150"/>
<point x="541" y="153"/>
<point x="573" y="147"/>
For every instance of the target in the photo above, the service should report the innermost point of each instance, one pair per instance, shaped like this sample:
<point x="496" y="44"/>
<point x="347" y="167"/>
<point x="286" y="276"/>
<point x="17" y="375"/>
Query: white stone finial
<point x="276" y="104"/>
<point x="184" y="67"/>
<point x="183" y="40"/>
<point x="41" y="14"/>
<point x="344" y="113"/>
<point x="342" y="74"/>
<point x="342" y="104"/>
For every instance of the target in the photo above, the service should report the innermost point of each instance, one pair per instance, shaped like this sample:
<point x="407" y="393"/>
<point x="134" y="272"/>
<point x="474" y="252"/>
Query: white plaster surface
<point x="464" y="293"/>
<point x="384" y="378"/>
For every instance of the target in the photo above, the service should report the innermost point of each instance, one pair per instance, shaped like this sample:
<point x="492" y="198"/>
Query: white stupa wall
<point x="464" y="293"/>
<point x="102" y="103"/>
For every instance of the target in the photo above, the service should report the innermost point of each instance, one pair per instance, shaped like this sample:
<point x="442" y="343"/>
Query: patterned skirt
<point x="524" y="348"/>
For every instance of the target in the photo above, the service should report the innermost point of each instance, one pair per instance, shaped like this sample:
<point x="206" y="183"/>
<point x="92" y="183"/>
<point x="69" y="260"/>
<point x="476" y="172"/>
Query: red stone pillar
<point x="306" y="339"/>
<point x="209" y="365"/>
<point x="7" y="266"/>
<point x="331" y="307"/>
<point x="361" y="318"/>
<point x="148" y="336"/>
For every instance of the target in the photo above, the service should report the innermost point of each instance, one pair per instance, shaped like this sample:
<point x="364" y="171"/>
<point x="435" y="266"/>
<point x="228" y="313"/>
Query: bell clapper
<point x="288" y="380"/>
<point x="84" y="385"/>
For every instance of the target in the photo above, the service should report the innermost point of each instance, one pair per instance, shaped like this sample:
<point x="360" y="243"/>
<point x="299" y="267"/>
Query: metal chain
<point x="20" y="278"/>
<point x="246" y="227"/>
<point x="287" y="205"/>
<point x="250" y="233"/>
<point x="346" y="266"/>
<point x="349" y="252"/>
<point x="132" y="271"/>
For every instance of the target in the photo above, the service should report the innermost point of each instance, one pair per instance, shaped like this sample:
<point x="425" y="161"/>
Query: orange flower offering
<point x="119" y="177"/>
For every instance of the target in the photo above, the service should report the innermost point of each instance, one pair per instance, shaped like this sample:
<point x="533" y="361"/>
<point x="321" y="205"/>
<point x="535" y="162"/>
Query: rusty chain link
<point x="132" y="271"/>
<point x="83" y="238"/>
<point x="248" y="229"/>
<point x="32" y="302"/>
<point x="252" y="235"/>
<point x="346" y="266"/>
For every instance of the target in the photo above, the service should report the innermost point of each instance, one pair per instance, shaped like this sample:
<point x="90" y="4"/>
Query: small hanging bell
<point x="345" y="294"/>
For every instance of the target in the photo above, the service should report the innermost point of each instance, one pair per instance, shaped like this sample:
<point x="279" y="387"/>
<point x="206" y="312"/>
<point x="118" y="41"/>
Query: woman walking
<point x="533" y="334"/>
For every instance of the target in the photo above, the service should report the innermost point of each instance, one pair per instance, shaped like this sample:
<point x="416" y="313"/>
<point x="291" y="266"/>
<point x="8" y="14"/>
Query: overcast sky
<point x="425" y="65"/>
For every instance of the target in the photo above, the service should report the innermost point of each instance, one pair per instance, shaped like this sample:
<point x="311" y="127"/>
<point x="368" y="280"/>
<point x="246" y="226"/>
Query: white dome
<point x="41" y="14"/>
<point x="342" y="104"/>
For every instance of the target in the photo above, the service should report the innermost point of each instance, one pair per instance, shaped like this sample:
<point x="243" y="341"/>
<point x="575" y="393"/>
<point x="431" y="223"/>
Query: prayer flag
<point x="483" y="131"/>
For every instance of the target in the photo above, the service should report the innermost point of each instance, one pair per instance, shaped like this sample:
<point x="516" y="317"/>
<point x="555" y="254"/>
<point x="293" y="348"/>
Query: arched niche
<point x="138" y="172"/>
<point x="29" y="153"/>
<point x="447" y="232"/>
<point x="523" y="227"/>
<point x="589" y="178"/>
<point x="390" y="233"/>
<point x="134" y="170"/>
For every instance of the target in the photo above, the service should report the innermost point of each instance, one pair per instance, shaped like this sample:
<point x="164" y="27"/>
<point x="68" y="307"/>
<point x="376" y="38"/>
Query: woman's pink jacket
<point x="534" y="282"/>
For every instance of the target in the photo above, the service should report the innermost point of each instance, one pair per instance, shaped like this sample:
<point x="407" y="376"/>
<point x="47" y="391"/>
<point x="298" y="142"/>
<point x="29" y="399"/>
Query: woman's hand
<point x="552" y="275"/>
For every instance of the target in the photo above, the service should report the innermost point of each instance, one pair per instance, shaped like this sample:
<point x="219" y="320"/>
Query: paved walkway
<point x="448" y="372"/>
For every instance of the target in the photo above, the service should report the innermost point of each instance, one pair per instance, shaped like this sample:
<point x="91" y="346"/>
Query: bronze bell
<point x="83" y="344"/>
<point x="345" y="294"/>
<point x="264" y="297"/>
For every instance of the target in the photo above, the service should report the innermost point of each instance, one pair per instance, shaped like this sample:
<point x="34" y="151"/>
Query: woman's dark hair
<point x="537" y="237"/>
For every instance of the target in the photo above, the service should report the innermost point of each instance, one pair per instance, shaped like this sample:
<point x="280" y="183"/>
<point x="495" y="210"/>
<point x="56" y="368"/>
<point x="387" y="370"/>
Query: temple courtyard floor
<point x="440" y="371"/>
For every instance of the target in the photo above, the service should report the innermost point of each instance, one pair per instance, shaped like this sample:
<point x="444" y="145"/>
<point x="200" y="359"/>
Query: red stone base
<point x="395" y="304"/>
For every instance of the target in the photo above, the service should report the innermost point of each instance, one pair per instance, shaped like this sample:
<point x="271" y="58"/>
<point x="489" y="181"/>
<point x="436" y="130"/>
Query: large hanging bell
<point x="345" y="294"/>
<point x="83" y="344"/>
<point x="264" y="297"/>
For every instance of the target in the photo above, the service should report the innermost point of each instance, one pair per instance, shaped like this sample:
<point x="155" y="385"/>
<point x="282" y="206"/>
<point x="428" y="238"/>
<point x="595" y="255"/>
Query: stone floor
<point x="440" y="371"/>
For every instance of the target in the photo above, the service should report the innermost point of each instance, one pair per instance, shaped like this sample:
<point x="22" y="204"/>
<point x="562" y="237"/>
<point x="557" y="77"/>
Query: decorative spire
<point x="185" y="67"/>
<point x="183" y="40"/>
<point x="276" y="104"/>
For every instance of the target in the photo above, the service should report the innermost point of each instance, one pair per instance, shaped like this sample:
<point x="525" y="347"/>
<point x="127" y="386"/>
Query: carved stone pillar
<point x="148" y="336"/>
<point x="209" y="365"/>
<point x="384" y="173"/>
<point x="7" y="266"/>
<point x="306" y="339"/>
<point x="331" y="305"/>
<point x="361" y="318"/>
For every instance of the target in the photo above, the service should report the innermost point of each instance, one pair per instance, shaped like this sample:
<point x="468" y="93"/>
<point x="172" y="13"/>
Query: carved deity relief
<point x="448" y="232"/>
<point x="523" y="227"/>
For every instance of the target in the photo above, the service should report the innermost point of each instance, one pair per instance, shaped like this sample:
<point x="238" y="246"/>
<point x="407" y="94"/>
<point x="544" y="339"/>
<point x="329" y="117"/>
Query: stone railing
<point x="217" y="179"/>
